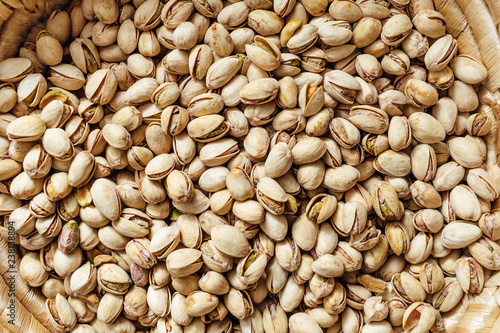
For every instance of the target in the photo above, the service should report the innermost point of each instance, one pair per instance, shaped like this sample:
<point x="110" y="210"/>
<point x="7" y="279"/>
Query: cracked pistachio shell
<point x="200" y="59"/>
<point x="251" y="267"/>
<point x="440" y="53"/>
<point x="408" y="287"/>
<point x="430" y="23"/>
<point x="137" y="250"/>
<point x="396" y="62"/>
<point x="32" y="88"/>
<point x="469" y="274"/>
<point x="85" y="55"/>
<point x="321" y="207"/>
<point x="419" y="316"/>
<point x="259" y="91"/>
<point x="264" y="54"/>
<point x="396" y="29"/>
<point x="61" y="313"/>
<point x="369" y="119"/>
<point x="353" y="220"/>
<point x="482" y="183"/>
<point x="174" y="119"/>
<point x="392" y="102"/>
<point x="133" y="223"/>
<point x="160" y="166"/>
<point x="478" y="124"/>
<point x="206" y="104"/>
<point x="486" y="252"/>
<point x="66" y="76"/>
<point x="449" y="296"/>
<point x="302" y="38"/>
<point x="442" y="79"/>
<point x="207" y="128"/>
<point x="465" y="203"/>
<point x="15" y="69"/>
<point x="335" y="33"/>
<point x="420" y="94"/>
<point x="385" y="201"/>
<point x="428" y="220"/>
<point x="341" y="86"/>
<point x="164" y="241"/>
<point x="431" y="276"/>
<point x="101" y="86"/>
<point x="345" y="133"/>
<point x="165" y="95"/>
<point x="368" y="67"/>
<point x="290" y="65"/>
<point x="218" y="152"/>
<point x="351" y="257"/>
<point x="311" y="99"/>
<point x="219" y="39"/>
<point x="423" y="162"/>
<point x="425" y="195"/>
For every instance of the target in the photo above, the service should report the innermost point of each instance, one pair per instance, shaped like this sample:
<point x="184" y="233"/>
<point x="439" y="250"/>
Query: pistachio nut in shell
<point x="61" y="313"/>
<point x="230" y="241"/>
<point x="26" y="129"/>
<point x="15" y="69"/>
<point x="199" y="303"/>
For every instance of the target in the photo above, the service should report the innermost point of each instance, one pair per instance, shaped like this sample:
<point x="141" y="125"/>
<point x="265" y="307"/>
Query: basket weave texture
<point x="476" y="26"/>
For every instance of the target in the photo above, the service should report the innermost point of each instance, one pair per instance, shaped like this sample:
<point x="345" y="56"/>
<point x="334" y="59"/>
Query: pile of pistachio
<point x="247" y="166"/>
